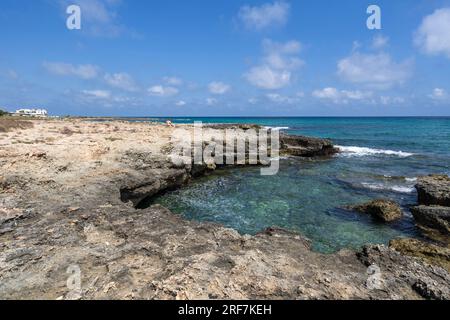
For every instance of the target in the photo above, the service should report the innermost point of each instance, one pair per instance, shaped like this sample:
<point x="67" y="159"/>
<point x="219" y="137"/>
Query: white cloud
<point x="340" y="96"/>
<point x="252" y="100"/>
<point x="281" y="99"/>
<point x="356" y="45"/>
<point x="84" y="71"/>
<point x="180" y="103"/>
<point x="211" y="101"/>
<point x="282" y="55"/>
<point x="433" y="35"/>
<point x="12" y="74"/>
<point x="379" y="42"/>
<point x="268" y="78"/>
<point x="264" y="16"/>
<point x="438" y="94"/>
<point x="218" y="88"/>
<point x="277" y="65"/>
<point x="104" y="98"/>
<point x="161" y="91"/>
<point x="387" y="100"/>
<point x="98" y="94"/>
<point x="122" y="81"/>
<point x="374" y="70"/>
<point x="173" y="81"/>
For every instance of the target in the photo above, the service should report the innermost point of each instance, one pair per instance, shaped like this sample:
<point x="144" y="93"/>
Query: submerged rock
<point x="385" y="210"/>
<point x="433" y="254"/>
<point x="434" y="190"/>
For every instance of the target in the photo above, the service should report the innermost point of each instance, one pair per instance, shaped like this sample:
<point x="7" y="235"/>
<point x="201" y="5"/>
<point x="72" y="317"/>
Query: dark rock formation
<point x="434" y="190"/>
<point x="223" y="126"/>
<point x="384" y="210"/>
<point x="300" y="146"/>
<point x="435" y="217"/>
<point x="433" y="212"/>
<point x="433" y="254"/>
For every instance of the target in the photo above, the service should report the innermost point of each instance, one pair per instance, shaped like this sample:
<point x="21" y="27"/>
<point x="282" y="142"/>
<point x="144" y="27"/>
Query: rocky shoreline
<point x="69" y="192"/>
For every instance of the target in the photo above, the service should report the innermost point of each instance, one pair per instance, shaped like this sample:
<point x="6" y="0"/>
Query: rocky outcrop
<point x="301" y="146"/>
<point x="433" y="211"/>
<point x="384" y="210"/>
<point x="75" y="210"/>
<point x="434" y="217"/>
<point x="433" y="254"/>
<point x="423" y="279"/>
<point x="434" y="190"/>
<point x="223" y="126"/>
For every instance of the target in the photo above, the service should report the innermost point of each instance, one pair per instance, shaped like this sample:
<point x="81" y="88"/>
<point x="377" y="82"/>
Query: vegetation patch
<point x="7" y="125"/>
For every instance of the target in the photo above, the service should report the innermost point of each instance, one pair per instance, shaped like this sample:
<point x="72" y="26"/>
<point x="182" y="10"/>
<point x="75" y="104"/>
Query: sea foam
<point x="276" y="128"/>
<point x="362" y="151"/>
<point x="395" y="188"/>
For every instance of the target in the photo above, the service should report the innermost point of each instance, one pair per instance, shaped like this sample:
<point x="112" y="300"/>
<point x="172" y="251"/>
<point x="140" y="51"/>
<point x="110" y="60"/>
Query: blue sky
<point x="226" y="58"/>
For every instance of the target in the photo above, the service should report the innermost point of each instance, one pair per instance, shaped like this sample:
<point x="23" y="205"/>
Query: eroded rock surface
<point x="385" y="210"/>
<point x="74" y="209"/>
<point x="306" y="146"/>
<point x="433" y="211"/>
<point x="429" y="252"/>
<point x="434" y="190"/>
<point x="435" y="217"/>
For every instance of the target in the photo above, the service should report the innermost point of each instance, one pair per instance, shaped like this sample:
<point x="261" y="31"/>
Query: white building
<point x="32" y="112"/>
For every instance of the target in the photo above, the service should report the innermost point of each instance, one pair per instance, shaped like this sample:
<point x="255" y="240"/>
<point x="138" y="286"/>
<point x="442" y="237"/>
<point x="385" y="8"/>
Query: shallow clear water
<point x="382" y="158"/>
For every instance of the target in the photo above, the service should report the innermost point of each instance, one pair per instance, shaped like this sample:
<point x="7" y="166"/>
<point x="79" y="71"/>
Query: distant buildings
<point x="31" y="112"/>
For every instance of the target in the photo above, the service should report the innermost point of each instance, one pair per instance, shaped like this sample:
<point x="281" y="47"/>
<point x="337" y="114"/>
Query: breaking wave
<point x="276" y="128"/>
<point x="362" y="151"/>
<point x="394" y="188"/>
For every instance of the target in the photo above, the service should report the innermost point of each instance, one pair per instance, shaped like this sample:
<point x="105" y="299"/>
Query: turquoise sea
<point x="381" y="158"/>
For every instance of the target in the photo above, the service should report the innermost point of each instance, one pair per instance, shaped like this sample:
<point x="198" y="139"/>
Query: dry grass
<point x="7" y="125"/>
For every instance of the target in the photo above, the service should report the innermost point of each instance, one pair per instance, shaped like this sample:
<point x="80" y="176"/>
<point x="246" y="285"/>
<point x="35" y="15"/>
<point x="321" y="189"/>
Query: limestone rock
<point x="434" y="190"/>
<point x="385" y="210"/>
<point x="433" y="254"/>
<point x="434" y="217"/>
<point x="300" y="146"/>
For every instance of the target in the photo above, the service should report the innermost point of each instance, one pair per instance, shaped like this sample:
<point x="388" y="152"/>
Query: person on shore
<point x="170" y="124"/>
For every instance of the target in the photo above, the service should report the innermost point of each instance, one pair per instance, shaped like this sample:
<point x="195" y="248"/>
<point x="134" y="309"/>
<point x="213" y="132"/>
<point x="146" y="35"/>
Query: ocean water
<point x="381" y="158"/>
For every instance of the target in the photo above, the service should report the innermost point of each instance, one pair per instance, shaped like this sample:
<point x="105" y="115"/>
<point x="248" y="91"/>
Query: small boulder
<point x="385" y="210"/>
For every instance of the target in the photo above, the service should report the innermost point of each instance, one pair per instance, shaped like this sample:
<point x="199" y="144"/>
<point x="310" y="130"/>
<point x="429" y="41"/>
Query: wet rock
<point x="300" y="146"/>
<point x="433" y="254"/>
<point x="385" y="210"/>
<point x="434" y="190"/>
<point x="434" y="217"/>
